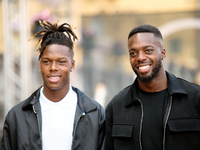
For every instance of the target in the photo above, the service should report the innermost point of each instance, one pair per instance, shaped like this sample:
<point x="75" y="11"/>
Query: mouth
<point x="54" y="78"/>
<point x="144" y="68"/>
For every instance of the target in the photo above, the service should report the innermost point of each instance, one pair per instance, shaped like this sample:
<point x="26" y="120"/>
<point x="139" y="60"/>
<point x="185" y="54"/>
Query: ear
<point x="72" y="65"/>
<point x="163" y="53"/>
<point x="39" y="66"/>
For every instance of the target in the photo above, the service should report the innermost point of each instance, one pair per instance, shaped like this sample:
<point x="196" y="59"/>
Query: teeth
<point x="143" y="67"/>
<point x="54" y="77"/>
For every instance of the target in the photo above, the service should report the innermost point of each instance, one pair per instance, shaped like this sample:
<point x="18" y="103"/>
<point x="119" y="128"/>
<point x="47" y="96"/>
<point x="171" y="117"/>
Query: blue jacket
<point x="22" y="128"/>
<point x="181" y="126"/>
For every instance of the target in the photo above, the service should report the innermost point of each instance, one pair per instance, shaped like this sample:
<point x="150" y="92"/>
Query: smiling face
<point x="146" y="54"/>
<point x="55" y="65"/>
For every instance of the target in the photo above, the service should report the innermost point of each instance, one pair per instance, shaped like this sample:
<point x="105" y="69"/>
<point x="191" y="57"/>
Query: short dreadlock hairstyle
<point x="55" y="34"/>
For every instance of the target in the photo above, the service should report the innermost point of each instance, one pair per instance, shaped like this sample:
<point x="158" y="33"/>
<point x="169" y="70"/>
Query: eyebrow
<point x="49" y="58"/>
<point x="62" y="58"/>
<point x="147" y="46"/>
<point x="143" y="47"/>
<point x="44" y="58"/>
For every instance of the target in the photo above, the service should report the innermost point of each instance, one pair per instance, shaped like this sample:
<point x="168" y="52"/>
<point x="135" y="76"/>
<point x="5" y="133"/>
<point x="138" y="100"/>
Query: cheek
<point x="43" y="70"/>
<point x="65" y="71"/>
<point x="132" y="61"/>
<point x="43" y="74"/>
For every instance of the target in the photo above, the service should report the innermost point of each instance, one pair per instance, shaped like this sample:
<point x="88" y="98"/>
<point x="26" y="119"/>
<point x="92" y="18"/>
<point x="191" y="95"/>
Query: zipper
<point x="38" y="121"/>
<point x="80" y="118"/>
<point x="165" y="125"/>
<point x="141" y="121"/>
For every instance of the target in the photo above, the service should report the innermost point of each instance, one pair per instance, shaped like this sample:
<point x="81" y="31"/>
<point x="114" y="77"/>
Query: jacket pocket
<point x="184" y="134"/>
<point x="123" y="136"/>
<point x="187" y="124"/>
<point x="121" y="130"/>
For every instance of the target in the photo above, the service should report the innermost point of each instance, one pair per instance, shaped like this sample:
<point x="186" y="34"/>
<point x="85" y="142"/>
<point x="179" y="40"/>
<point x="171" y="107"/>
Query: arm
<point x="6" y="139"/>
<point x="109" y="145"/>
<point x="101" y="130"/>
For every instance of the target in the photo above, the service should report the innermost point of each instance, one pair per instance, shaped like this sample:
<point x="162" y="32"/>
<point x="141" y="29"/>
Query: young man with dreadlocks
<point x="57" y="116"/>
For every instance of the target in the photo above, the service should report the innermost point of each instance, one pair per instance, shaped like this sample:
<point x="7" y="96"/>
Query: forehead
<point x="143" y="39"/>
<point x="56" y="50"/>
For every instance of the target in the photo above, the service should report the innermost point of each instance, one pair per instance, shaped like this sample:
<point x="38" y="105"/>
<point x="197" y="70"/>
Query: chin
<point x="145" y="79"/>
<point x="53" y="88"/>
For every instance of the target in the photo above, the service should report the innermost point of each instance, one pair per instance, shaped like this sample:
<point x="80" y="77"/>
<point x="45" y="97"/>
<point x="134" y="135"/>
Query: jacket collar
<point x="32" y="100"/>
<point x="173" y="88"/>
<point x="83" y="101"/>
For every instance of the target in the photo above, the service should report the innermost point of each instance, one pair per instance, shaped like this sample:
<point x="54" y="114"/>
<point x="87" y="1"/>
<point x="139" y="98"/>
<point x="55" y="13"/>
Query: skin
<point x="56" y="63"/>
<point x="146" y="57"/>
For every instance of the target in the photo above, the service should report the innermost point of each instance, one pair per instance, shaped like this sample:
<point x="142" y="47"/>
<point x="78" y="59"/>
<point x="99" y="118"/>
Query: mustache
<point x="143" y="62"/>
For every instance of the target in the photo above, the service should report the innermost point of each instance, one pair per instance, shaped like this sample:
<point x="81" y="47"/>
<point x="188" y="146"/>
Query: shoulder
<point x="187" y="83"/>
<point x="15" y="111"/>
<point x="86" y="101"/>
<point x="121" y="96"/>
<point x="23" y="106"/>
<point x="18" y="107"/>
<point x="180" y="85"/>
<point x="188" y="86"/>
<point x="90" y="106"/>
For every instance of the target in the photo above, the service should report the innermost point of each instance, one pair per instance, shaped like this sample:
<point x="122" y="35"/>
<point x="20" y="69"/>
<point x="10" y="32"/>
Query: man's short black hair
<point x="146" y="28"/>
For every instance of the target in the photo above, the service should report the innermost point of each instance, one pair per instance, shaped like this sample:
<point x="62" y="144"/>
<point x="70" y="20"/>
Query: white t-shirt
<point x="57" y="121"/>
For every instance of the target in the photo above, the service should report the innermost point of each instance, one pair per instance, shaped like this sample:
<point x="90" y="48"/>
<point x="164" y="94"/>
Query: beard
<point x="155" y="71"/>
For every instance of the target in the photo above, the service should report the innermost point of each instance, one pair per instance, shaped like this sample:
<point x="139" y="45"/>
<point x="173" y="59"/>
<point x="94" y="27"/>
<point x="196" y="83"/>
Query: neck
<point x="55" y="95"/>
<point x="158" y="83"/>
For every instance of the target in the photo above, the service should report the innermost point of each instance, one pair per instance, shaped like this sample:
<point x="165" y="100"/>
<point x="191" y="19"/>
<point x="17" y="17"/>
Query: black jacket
<point x="22" y="128"/>
<point x="181" y="118"/>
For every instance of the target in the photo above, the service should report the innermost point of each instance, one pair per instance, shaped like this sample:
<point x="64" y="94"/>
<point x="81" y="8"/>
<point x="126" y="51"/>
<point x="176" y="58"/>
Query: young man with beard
<point x="57" y="116"/>
<point x="158" y="111"/>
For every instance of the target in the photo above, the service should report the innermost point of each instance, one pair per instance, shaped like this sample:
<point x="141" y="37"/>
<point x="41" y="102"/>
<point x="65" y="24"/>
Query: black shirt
<point x="152" y="125"/>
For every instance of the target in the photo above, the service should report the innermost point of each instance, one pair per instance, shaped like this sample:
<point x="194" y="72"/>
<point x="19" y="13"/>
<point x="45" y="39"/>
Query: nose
<point x="141" y="56"/>
<point x="53" y="66"/>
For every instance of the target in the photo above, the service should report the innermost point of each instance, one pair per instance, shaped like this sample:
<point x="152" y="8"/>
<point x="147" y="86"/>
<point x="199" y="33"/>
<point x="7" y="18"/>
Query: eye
<point x="132" y="54"/>
<point x="149" y="50"/>
<point x="45" y="62"/>
<point x="62" y="62"/>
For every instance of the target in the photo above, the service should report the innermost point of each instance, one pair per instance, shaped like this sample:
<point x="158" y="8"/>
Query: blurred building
<point x="102" y="61"/>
